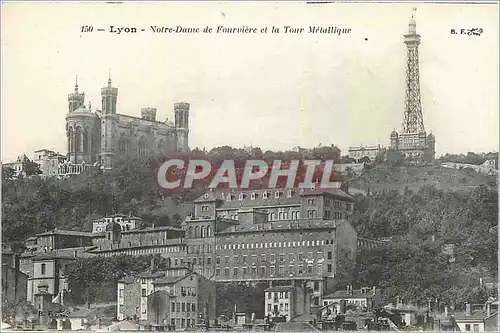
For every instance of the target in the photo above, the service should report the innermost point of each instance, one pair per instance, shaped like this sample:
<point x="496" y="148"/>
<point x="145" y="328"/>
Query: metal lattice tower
<point x="413" y="121"/>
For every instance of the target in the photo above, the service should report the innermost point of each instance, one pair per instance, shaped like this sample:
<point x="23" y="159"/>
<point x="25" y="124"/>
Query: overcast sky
<point x="276" y="91"/>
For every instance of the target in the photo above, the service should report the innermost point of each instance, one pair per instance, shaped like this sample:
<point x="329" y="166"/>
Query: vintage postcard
<point x="249" y="166"/>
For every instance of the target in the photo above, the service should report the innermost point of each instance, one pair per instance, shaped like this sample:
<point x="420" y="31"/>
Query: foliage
<point x="414" y="264"/>
<point x="94" y="279"/>
<point x="33" y="204"/>
<point x="247" y="298"/>
<point x="469" y="158"/>
<point x="17" y="311"/>
<point x="395" y="157"/>
<point x="7" y="173"/>
<point x="31" y="168"/>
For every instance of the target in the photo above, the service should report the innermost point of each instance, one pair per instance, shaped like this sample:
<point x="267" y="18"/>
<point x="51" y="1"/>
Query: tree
<point x="177" y="219"/>
<point x="8" y="173"/>
<point x="31" y="168"/>
<point x="395" y="157"/>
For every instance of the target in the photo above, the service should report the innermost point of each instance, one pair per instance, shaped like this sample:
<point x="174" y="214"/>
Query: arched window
<point x="197" y="232"/>
<point x="71" y="140"/>
<point x="161" y="146"/>
<point x="123" y="145"/>
<point x="142" y="148"/>
<point x="86" y="143"/>
<point x="202" y="231"/>
<point x="78" y="139"/>
<point x="209" y="231"/>
<point x="190" y="232"/>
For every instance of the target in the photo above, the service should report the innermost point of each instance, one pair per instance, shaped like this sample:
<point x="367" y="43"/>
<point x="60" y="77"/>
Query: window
<point x="264" y="195"/>
<point x="143" y="292"/>
<point x="235" y="271"/>
<point x="252" y="196"/>
<point x="262" y="271"/>
<point x="476" y="327"/>
<point x="217" y="272"/>
<point x="311" y="213"/>
<point x="316" y="285"/>
<point x="329" y="268"/>
<point x="241" y="196"/>
<point x="43" y="269"/>
<point x="330" y="255"/>
<point x="467" y="327"/>
<point x="183" y="307"/>
<point x="226" y="272"/>
<point x="289" y="193"/>
<point x="286" y="306"/>
<point x="310" y="201"/>
<point x="204" y="208"/>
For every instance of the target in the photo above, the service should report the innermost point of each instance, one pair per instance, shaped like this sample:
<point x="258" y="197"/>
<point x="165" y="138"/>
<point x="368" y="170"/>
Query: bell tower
<point x="181" y="114"/>
<point x="109" y="120"/>
<point x="76" y="99"/>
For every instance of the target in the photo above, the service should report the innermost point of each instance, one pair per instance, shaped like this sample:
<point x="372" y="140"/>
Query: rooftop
<point x="356" y="293"/>
<point x="258" y="197"/>
<point x="65" y="232"/>
<point x="280" y="288"/>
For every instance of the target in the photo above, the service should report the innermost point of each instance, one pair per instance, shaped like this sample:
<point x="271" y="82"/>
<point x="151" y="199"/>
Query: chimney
<point x="467" y="309"/>
<point x="488" y="309"/>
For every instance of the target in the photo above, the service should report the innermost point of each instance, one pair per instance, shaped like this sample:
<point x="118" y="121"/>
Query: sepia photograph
<point x="249" y="166"/>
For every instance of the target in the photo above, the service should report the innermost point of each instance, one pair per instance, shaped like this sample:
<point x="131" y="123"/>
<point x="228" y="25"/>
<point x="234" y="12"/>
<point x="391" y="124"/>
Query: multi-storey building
<point x="126" y="222"/>
<point x="295" y="237"/>
<point x="101" y="135"/>
<point x="175" y="297"/>
<point x="369" y="151"/>
<point x="47" y="270"/>
<point x="280" y="302"/>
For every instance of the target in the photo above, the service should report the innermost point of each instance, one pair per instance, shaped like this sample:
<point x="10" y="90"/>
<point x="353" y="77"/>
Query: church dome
<point x="394" y="134"/>
<point x="113" y="226"/>
<point x="431" y="136"/>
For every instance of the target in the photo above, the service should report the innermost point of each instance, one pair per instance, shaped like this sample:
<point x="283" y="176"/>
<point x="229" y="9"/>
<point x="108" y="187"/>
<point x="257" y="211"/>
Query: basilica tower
<point x="80" y="125"/>
<point x="181" y="114"/>
<point x="109" y="120"/>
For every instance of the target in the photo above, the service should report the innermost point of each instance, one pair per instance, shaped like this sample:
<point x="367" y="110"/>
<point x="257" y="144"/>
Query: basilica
<point x="99" y="136"/>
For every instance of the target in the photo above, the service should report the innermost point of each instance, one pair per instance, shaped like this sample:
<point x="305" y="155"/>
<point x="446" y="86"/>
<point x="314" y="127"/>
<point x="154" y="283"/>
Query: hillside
<point x="383" y="177"/>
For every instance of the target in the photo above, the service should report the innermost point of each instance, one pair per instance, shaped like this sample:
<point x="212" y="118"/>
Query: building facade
<point x="358" y="153"/>
<point x="176" y="298"/>
<point x="126" y="222"/>
<point x="280" y="302"/>
<point x="98" y="137"/>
